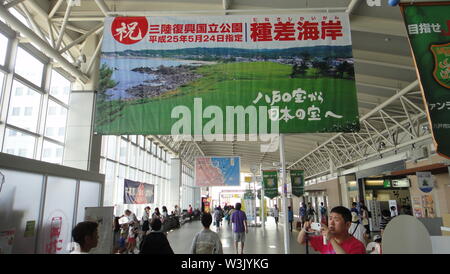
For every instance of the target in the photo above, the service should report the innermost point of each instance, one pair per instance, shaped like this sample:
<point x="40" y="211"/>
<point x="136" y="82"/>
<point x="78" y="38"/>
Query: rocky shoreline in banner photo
<point x="167" y="79"/>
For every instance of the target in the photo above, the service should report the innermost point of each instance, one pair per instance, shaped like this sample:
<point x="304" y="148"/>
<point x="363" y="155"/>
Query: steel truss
<point x="396" y="123"/>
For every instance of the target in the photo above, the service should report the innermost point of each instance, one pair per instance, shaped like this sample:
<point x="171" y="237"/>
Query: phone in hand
<point x="316" y="226"/>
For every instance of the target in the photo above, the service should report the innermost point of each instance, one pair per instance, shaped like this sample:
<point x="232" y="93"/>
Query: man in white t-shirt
<point x="357" y="230"/>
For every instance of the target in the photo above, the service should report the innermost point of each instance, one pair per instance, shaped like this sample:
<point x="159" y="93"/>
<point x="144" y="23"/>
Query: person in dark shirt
<point x="156" y="241"/>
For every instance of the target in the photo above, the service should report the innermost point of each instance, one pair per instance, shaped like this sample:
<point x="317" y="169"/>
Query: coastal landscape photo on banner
<point x="227" y="75"/>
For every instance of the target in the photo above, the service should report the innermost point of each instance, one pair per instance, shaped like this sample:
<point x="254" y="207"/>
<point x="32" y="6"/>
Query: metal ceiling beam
<point x="103" y="7"/>
<point x="20" y="27"/>
<point x="55" y="8"/>
<point x="352" y="6"/>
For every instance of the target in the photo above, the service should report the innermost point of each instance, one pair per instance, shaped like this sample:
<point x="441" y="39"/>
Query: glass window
<point x="28" y="111"/>
<point x="60" y="87"/>
<point x="123" y="151"/>
<point x="20" y="144"/>
<point x="122" y="171"/>
<point x="49" y="132"/>
<point x="31" y="101"/>
<point x="57" y="120"/>
<point x="2" y="76"/>
<point x="111" y="154"/>
<point x="52" y="153"/>
<point x="3" y="48"/>
<point x="29" y="67"/>
<point x="133" y="154"/>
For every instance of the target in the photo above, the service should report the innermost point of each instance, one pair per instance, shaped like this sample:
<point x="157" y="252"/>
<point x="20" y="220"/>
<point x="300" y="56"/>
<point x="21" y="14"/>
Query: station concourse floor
<point x="258" y="240"/>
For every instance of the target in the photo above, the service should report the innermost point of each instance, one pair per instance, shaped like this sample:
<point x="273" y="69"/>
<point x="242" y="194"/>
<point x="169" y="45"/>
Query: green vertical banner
<point x="428" y="26"/>
<point x="298" y="182"/>
<point x="270" y="182"/>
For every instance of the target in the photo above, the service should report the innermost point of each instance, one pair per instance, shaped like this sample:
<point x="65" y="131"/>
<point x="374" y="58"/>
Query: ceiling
<point x="383" y="63"/>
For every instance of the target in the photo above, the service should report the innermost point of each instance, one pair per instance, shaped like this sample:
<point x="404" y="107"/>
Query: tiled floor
<point x="258" y="240"/>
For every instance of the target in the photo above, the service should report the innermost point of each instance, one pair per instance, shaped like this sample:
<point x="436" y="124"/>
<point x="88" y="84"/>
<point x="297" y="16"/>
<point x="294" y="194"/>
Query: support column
<point x="175" y="181"/>
<point x="82" y="149"/>
<point x="285" y="207"/>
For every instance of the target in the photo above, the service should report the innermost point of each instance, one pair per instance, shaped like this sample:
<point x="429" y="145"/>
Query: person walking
<point x="145" y="221"/>
<point x="156" y="241"/>
<point x="206" y="241"/>
<point x="290" y="216"/>
<point x="240" y="228"/>
<point x="218" y="217"/>
<point x="276" y="214"/>
<point x="323" y="214"/>
<point x="302" y="213"/>
<point x="311" y="213"/>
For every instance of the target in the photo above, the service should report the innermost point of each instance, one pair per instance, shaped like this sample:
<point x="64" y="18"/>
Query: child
<point x="132" y="239"/>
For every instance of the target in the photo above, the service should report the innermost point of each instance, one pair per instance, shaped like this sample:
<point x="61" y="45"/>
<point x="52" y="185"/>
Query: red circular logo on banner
<point x="129" y="30"/>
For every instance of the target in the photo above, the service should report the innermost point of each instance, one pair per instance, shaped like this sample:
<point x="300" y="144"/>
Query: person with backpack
<point x="357" y="230"/>
<point x="206" y="241"/>
<point x="145" y="221"/>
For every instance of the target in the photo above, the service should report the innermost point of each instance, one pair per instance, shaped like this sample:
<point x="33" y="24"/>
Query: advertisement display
<point x="428" y="26"/>
<point x="217" y="171"/>
<point x="138" y="193"/>
<point x="270" y="183"/>
<point x="7" y="241"/>
<point x="297" y="182"/>
<point x="103" y="216"/>
<point x="250" y="205"/>
<point x="204" y="75"/>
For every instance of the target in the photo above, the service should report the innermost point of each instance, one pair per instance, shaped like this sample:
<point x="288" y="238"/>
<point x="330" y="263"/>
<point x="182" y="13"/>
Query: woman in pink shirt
<point x="335" y="238"/>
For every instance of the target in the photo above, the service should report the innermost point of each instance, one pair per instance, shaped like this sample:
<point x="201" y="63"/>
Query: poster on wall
<point x="7" y="241"/>
<point x="250" y="205"/>
<point x="194" y="75"/>
<point x="297" y="182"/>
<point x="138" y="193"/>
<point x="425" y="181"/>
<point x="417" y="207"/>
<point x="428" y="26"/>
<point x="217" y="171"/>
<point x="428" y="206"/>
<point x="270" y="183"/>
<point x="103" y="216"/>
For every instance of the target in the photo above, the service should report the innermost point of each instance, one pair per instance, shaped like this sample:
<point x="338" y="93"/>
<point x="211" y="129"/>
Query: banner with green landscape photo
<point x="227" y="75"/>
<point x="428" y="26"/>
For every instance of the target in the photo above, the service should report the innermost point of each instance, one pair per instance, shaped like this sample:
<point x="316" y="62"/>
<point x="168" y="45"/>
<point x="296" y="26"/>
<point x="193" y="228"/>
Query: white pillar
<point x="285" y="207"/>
<point x="82" y="149"/>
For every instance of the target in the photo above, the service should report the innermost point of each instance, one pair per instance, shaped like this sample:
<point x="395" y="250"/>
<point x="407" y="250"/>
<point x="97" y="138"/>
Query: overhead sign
<point x="401" y="182"/>
<point x="270" y="183"/>
<point x="138" y="193"/>
<point x="204" y="75"/>
<point x="425" y="181"/>
<point x="217" y="171"/>
<point x="428" y="26"/>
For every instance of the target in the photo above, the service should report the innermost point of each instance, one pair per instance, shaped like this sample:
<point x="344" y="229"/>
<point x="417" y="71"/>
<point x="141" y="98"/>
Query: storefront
<point x="389" y="191"/>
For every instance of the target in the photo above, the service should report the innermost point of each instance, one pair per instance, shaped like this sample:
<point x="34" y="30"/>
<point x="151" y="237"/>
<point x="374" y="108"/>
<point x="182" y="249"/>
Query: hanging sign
<point x="217" y="171"/>
<point x="297" y="182"/>
<point x="270" y="183"/>
<point x="428" y="26"/>
<point x="216" y="75"/>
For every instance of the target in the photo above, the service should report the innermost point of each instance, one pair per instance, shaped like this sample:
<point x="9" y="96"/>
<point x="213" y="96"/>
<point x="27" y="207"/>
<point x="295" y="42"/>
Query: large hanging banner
<point x="297" y="182"/>
<point x="207" y="75"/>
<point x="428" y="26"/>
<point x="217" y="171"/>
<point x="138" y="193"/>
<point x="270" y="183"/>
